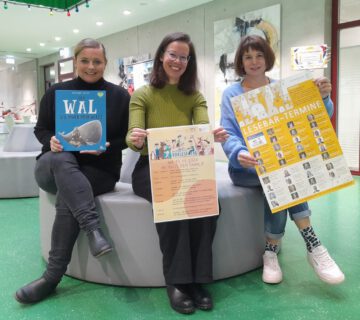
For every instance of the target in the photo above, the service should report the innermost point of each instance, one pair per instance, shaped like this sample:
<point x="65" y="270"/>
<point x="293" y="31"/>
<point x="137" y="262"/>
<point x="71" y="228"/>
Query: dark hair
<point x="188" y="82"/>
<point x="89" y="43"/>
<point x="255" y="43"/>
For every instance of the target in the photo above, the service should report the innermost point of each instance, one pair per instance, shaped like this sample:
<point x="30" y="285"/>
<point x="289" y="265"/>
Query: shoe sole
<point x="204" y="307"/>
<point x="184" y="311"/>
<point x="103" y="252"/>
<point x="328" y="281"/>
<point x="18" y="299"/>
<point x="272" y="281"/>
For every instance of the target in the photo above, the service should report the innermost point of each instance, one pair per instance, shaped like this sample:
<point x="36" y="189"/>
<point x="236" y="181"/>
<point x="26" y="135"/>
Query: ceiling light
<point x="57" y="38"/>
<point x="76" y="30"/>
<point x="42" y="44"/>
<point x="28" y="49"/>
<point x="126" y="12"/>
<point x="99" y="23"/>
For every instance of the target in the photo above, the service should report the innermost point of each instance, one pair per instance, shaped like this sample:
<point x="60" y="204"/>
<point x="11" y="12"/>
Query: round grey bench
<point x="136" y="260"/>
<point x="17" y="163"/>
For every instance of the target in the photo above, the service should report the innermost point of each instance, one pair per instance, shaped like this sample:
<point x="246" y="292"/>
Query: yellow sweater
<point x="167" y="107"/>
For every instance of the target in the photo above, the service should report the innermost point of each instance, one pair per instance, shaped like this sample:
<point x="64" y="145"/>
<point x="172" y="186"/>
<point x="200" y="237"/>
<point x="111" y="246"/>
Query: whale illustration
<point x="85" y="135"/>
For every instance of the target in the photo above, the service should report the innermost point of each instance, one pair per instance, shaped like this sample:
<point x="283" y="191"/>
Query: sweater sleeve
<point x="200" y="110"/>
<point x="235" y="143"/>
<point x="117" y="142"/>
<point x="329" y="105"/>
<point x="137" y="113"/>
<point x="45" y="125"/>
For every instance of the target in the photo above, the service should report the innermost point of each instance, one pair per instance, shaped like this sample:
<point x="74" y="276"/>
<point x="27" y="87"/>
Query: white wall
<point x="19" y="86"/>
<point x="303" y="22"/>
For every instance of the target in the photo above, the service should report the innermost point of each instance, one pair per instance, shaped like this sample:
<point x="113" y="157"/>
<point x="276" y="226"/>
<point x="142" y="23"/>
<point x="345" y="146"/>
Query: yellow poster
<point x="182" y="170"/>
<point x="287" y="129"/>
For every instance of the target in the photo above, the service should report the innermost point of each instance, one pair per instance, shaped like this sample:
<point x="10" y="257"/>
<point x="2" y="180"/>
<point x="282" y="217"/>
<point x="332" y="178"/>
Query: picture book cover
<point x="80" y="122"/>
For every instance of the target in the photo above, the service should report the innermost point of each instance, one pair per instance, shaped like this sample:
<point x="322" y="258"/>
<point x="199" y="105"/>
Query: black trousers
<point x="186" y="245"/>
<point x="75" y="187"/>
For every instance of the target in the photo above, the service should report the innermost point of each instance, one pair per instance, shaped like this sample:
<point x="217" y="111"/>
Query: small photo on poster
<point x="310" y="117"/>
<point x="256" y="140"/>
<point x="306" y="165"/>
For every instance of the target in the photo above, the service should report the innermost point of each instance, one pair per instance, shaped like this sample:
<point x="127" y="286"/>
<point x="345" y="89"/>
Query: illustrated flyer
<point x="309" y="57"/>
<point x="287" y="129"/>
<point x="182" y="169"/>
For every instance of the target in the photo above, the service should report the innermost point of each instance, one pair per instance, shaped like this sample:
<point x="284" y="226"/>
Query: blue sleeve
<point x="235" y="143"/>
<point x="329" y="105"/>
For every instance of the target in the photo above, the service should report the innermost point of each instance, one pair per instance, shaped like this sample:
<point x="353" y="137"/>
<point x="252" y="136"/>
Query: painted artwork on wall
<point x="227" y="34"/>
<point x="134" y="71"/>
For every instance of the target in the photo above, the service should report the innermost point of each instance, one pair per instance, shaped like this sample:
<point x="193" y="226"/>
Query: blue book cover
<point x="80" y="122"/>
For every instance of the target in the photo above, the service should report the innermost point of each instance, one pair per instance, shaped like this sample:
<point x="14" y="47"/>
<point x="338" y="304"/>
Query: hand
<point x="246" y="160"/>
<point x="324" y="86"/>
<point x="137" y="137"/>
<point x="55" y="145"/>
<point x="95" y="152"/>
<point x="220" y="134"/>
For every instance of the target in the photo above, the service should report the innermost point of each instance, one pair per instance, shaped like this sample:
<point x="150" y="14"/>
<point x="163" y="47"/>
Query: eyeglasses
<point x="173" y="57"/>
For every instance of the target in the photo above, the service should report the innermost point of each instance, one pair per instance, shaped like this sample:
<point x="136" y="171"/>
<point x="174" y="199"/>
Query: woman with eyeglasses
<point x="172" y="99"/>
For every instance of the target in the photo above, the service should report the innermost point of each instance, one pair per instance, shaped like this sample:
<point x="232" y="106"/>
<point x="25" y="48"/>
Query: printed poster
<point x="182" y="170"/>
<point x="80" y="122"/>
<point x="309" y="57"/>
<point x="287" y="129"/>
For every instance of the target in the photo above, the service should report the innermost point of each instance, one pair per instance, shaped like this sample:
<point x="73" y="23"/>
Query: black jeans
<point x="75" y="187"/>
<point x="186" y="245"/>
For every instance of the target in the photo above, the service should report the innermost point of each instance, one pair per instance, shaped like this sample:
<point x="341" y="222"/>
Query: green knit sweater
<point x="167" y="107"/>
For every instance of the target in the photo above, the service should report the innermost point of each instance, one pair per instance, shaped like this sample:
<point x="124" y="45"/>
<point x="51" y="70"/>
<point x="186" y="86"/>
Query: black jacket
<point x="117" y="117"/>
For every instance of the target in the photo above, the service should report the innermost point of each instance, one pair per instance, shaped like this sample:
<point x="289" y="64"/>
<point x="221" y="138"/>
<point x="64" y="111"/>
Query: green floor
<point x="336" y="219"/>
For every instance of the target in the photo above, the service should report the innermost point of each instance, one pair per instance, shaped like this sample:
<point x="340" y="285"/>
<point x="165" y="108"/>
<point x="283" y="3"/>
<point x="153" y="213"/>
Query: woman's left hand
<point x="95" y="152"/>
<point x="220" y="134"/>
<point x="324" y="86"/>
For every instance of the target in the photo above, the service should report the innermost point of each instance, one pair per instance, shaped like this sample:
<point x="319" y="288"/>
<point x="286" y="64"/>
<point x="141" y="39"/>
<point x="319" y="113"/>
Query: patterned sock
<point x="311" y="240"/>
<point x="271" y="247"/>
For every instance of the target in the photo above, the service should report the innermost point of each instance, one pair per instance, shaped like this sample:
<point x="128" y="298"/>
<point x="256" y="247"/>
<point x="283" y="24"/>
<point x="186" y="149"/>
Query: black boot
<point x="98" y="243"/>
<point x="179" y="299"/>
<point x="200" y="296"/>
<point x="35" y="291"/>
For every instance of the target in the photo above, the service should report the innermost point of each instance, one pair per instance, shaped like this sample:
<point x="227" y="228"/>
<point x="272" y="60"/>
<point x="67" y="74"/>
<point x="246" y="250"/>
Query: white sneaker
<point x="271" y="272"/>
<point x="325" y="267"/>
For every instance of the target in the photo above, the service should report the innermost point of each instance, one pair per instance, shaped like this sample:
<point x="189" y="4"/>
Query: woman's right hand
<point x="55" y="145"/>
<point x="137" y="137"/>
<point x="246" y="160"/>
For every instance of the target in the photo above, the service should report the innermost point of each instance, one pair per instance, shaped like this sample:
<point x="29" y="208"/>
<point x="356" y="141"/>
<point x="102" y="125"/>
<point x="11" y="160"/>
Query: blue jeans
<point x="274" y="223"/>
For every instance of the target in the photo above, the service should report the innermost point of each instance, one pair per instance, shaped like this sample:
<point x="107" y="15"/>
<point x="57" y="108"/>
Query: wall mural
<point x="227" y="34"/>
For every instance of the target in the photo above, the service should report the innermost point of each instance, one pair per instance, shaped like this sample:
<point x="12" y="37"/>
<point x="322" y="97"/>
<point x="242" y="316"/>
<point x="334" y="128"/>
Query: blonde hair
<point x="89" y="43"/>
